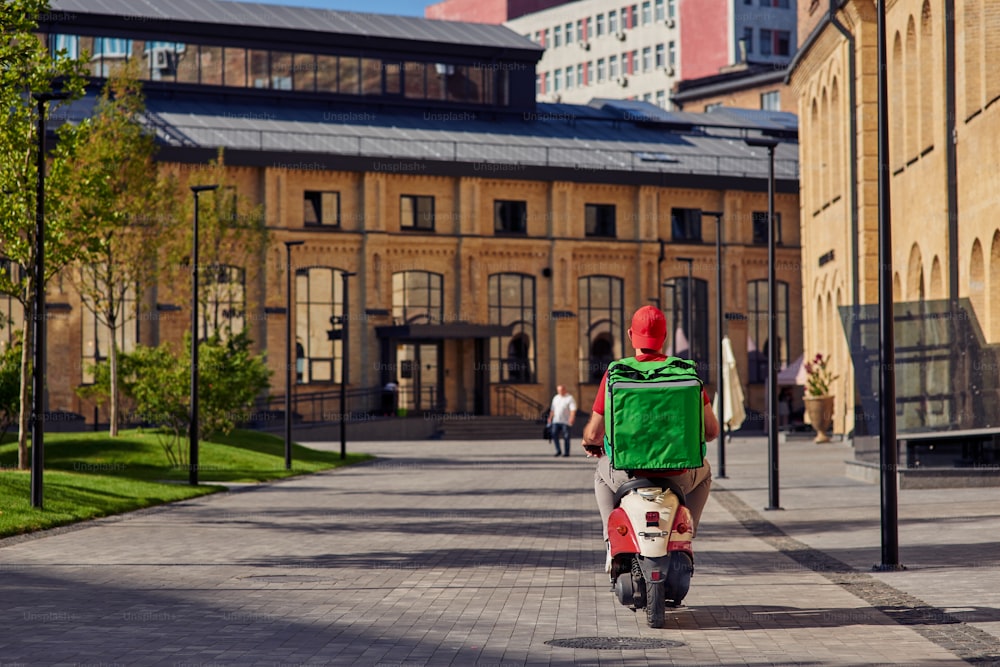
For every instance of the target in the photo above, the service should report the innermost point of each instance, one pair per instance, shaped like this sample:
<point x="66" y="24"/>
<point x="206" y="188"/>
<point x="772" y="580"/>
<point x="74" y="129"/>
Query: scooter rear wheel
<point x="656" y="604"/>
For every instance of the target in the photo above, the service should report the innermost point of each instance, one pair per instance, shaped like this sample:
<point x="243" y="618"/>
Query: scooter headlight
<point x="650" y="492"/>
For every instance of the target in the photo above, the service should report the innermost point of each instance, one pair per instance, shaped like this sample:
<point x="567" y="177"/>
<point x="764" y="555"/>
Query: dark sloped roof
<point x="301" y="18"/>
<point x="596" y="139"/>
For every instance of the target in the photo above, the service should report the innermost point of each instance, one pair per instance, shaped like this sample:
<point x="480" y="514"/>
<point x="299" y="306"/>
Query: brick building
<point x="499" y="245"/>
<point x="943" y="79"/>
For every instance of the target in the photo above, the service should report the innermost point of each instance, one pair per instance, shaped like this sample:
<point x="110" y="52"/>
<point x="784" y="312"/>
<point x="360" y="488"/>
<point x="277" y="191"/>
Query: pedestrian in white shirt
<point x="562" y="412"/>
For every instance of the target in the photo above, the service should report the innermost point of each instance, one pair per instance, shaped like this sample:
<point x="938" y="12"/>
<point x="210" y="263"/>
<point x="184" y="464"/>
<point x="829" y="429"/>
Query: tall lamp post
<point x="690" y="306"/>
<point x="887" y="347"/>
<point x="344" y="365"/>
<point x="38" y="330"/>
<point x="772" y="331"/>
<point x="288" y="351"/>
<point x="720" y="378"/>
<point x="193" y="435"/>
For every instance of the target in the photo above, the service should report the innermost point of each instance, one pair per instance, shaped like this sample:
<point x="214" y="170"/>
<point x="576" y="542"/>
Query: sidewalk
<point x="489" y="553"/>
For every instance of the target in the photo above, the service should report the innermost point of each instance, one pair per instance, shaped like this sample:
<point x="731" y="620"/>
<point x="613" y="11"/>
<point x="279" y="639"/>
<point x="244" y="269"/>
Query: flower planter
<point x="820" y="409"/>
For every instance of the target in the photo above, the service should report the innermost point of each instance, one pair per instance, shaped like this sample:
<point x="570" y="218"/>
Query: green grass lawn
<point x="89" y="475"/>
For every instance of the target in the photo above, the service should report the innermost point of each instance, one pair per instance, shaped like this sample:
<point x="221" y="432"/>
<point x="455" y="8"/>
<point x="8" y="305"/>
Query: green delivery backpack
<point x="654" y="415"/>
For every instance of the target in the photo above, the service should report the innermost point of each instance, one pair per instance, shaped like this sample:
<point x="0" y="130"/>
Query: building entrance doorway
<point x="420" y="376"/>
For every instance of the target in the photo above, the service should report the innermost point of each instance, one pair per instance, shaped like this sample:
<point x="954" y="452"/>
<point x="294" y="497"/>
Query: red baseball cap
<point x="649" y="328"/>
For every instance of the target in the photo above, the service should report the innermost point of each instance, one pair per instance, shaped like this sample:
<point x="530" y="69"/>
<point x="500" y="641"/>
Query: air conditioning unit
<point x="620" y="35"/>
<point x="670" y="23"/>
<point x="584" y="45"/>
<point x="622" y="81"/>
<point x="669" y="70"/>
<point x="163" y="58"/>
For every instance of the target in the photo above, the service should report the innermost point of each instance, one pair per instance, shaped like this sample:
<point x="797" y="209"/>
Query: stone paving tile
<point x="446" y="553"/>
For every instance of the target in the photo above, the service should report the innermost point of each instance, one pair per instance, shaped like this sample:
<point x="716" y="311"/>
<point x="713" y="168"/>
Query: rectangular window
<point x="416" y="212"/>
<point x="557" y="36"/>
<point x="760" y="228"/>
<point x="321" y="208"/>
<point x="661" y="99"/>
<point x="579" y="74"/>
<point x="569" y="33"/>
<point x="600" y="220"/>
<point x="557" y="80"/>
<point x="545" y="38"/>
<point x="782" y="41"/>
<point x="658" y="59"/>
<point x="613" y="21"/>
<point x="770" y="101"/>
<point x="671" y="54"/>
<point x="589" y="28"/>
<point x="260" y="68"/>
<point x="748" y="39"/>
<point x="671" y="9"/>
<point x="510" y="217"/>
<point x="579" y="31"/>
<point x="647" y="14"/>
<point x="766" y="37"/>
<point x="613" y="67"/>
<point x="569" y="77"/>
<point x="647" y="97"/>
<point x="600" y="70"/>
<point x="658" y="13"/>
<point x="600" y="25"/>
<point x="647" y="59"/>
<point x="685" y="224"/>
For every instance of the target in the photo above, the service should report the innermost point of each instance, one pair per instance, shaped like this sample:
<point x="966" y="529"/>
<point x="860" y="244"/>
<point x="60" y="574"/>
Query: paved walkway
<point x="489" y="553"/>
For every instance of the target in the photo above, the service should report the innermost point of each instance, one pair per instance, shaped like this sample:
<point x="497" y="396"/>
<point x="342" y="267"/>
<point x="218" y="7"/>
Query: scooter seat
<point x="643" y="482"/>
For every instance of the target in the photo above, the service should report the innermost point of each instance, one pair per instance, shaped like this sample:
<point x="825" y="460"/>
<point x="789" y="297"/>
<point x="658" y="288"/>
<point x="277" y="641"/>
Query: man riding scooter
<point x="647" y="336"/>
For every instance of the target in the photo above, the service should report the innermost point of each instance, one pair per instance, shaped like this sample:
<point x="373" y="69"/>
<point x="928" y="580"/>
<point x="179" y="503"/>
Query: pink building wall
<point x="486" y="11"/>
<point x="704" y="41"/>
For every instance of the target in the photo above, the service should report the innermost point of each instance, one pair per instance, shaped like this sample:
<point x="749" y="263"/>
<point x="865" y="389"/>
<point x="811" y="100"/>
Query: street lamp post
<point x="720" y="378"/>
<point x="888" y="457"/>
<point x="690" y="306"/>
<point x="344" y="365"/>
<point x="288" y="351"/>
<point x="38" y="331"/>
<point x="193" y="435"/>
<point x="772" y="330"/>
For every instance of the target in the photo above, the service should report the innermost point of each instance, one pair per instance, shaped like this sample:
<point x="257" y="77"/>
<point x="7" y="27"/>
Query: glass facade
<point x="238" y="67"/>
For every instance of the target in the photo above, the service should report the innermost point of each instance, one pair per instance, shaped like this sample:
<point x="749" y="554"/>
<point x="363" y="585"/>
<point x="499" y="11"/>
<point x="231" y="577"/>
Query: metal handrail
<point x="511" y="402"/>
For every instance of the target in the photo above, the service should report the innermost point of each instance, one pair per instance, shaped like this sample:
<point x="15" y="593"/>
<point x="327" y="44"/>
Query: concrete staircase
<point x="478" y="427"/>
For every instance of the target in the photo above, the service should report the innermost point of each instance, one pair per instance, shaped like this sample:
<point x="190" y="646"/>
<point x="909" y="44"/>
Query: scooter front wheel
<point x="656" y="604"/>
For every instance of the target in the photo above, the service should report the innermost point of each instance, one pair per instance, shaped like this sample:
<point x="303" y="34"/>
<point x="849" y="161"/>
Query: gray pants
<point x="695" y="483"/>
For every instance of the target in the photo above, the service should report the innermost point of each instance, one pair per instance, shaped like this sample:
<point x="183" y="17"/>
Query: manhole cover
<point x="611" y="643"/>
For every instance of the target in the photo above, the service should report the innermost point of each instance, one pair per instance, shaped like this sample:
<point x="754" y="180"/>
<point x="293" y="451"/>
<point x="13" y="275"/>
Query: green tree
<point x="10" y="385"/>
<point x="232" y="240"/>
<point x="110" y="184"/>
<point x="28" y="68"/>
<point x="157" y="381"/>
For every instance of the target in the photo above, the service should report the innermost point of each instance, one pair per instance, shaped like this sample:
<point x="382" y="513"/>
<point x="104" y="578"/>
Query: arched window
<point x="757" y="330"/>
<point x="512" y="301"/>
<point x="601" y="325"/>
<point x="897" y="141"/>
<point x="223" y="294"/>
<point x="928" y="78"/>
<point x="688" y="327"/>
<point x="417" y="297"/>
<point x="319" y="296"/>
<point x="977" y="283"/>
<point x="972" y="56"/>
<point x="994" y="289"/>
<point x="836" y="142"/>
<point x="910" y="110"/>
